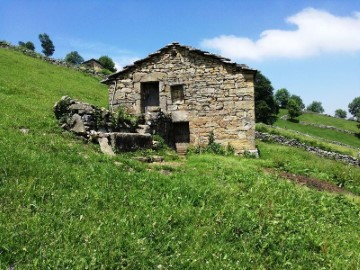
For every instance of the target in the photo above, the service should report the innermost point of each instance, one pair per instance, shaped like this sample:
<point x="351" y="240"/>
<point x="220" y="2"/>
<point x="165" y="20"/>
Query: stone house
<point x="93" y="64"/>
<point x="199" y="92"/>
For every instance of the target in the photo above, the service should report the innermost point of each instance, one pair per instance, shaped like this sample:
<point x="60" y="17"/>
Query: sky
<point x="311" y="48"/>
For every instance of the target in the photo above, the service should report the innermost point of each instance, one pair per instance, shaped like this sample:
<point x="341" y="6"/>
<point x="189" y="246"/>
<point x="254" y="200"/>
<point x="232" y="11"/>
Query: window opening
<point x="177" y="93"/>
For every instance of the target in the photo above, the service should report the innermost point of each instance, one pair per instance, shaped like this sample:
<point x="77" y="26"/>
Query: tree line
<point x="268" y="103"/>
<point x="73" y="57"/>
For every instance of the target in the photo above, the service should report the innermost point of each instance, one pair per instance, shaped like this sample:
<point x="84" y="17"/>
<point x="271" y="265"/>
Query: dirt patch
<point x="314" y="183"/>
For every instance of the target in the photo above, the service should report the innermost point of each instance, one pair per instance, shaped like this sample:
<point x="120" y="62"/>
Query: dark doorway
<point x="181" y="132"/>
<point x="181" y="137"/>
<point x="149" y="94"/>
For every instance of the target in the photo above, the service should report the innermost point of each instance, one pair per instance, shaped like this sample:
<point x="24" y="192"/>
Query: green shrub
<point x="105" y="71"/>
<point x="61" y="109"/>
<point x="212" y="148"/>
<point x="123" y="120"/>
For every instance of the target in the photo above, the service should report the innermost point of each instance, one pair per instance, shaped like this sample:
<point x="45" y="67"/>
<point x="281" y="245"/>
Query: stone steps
<point x="181" y="148"/>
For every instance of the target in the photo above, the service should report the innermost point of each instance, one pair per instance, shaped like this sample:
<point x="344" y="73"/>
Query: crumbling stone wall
<point x="295" y="143"/>
<point x="97" y="125"/>
<point x="218" y="97"/>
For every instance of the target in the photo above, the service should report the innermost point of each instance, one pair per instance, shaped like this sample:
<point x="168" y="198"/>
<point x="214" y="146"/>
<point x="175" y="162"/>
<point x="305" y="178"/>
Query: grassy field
<point x="329" y="121"/>
<point x="328" y="134"/>
<point x="64" y="205"/>
<point x="322" y="143"/>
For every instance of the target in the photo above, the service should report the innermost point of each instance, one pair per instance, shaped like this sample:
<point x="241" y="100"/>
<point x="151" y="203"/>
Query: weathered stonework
<point x="199" y="91"/>
<point x="97" y="125"/>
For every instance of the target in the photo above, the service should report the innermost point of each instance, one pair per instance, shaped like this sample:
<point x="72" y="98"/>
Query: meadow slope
<point x="64" y="205"/>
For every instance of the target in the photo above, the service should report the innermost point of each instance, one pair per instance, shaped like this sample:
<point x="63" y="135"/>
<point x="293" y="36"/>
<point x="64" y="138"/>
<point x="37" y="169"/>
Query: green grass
<point x="64" y="205"/>
<point x="327" y="134"/>
<point x="309" y="140"/>
<point x="329" y="121"/>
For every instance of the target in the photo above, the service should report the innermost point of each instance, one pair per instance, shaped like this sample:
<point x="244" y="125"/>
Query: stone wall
<point x="218" y="97"/>
<point x="295" y="143"/>
<point x="97" y="125"/>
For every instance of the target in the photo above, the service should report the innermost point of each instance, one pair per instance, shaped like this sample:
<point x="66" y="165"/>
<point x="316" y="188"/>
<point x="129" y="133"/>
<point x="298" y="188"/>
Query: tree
<point x="282" y="97"/>
<point x="294" y="108"/>
<point x="298" y="101"/>
<point x="28" y="45"/>
<point x="340" y="113"/>
<point x="107" y="63"/>
<point x="46" y="44"/>
<point x="74" y="58"/>
<point x="266" y="108"/>
<point x="316" y="107"/>
<point x="354" y="107"/>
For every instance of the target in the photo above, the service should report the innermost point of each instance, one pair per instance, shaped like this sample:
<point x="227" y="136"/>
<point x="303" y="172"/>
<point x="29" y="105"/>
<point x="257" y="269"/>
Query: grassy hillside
<point x="308" y="122"/>
<point x="64" y="205"/>
<point x="316" y="118"/>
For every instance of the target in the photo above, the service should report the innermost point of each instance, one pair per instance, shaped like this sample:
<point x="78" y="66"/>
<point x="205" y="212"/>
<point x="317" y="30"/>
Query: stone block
<point x="131" y="141"/>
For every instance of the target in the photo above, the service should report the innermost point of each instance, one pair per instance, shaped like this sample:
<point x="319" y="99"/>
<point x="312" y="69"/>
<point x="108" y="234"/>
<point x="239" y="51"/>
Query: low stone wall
<point x="295" y="143"/>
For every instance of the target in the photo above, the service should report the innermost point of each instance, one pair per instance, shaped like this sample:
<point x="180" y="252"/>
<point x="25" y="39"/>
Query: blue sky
<point x="312" y="48"/>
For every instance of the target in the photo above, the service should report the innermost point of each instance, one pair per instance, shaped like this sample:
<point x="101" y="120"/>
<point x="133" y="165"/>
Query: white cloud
<point x="123" y="61"/>
<point x="317" y="32"/>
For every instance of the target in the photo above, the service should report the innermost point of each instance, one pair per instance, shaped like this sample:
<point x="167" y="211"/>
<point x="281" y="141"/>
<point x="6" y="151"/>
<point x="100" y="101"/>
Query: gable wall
<point x="217" y="97"/>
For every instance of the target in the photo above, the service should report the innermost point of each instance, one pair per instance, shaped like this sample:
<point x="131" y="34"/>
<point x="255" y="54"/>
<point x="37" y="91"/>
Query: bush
<point x="316" y="107"/>
<point x="123" y="120"/>
<point x="107" y="63"/>
<point x="340" y="113"/>
<point x="74" y="58"/>
<point x="213" y="147"/>
<point x="105" y="71"/>
<point x="294" y="108"/>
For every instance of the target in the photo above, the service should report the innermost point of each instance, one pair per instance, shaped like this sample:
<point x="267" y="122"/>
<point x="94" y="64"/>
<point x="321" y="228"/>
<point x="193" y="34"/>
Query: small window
<point x="177" y="93"/>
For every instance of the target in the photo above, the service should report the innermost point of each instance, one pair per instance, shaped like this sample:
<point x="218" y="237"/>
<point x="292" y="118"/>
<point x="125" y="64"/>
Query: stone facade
<point x="200" y="92"/>
<point x="94" y="64"/>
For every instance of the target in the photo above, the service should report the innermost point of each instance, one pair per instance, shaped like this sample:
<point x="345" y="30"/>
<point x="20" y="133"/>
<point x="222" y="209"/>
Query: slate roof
<point x="91" y="60"/>
<point x="224" y="60"/>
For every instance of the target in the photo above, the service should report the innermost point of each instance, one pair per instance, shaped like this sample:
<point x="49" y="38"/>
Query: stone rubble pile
<point x="295" y="143"/>
<point x="96" y="124"/>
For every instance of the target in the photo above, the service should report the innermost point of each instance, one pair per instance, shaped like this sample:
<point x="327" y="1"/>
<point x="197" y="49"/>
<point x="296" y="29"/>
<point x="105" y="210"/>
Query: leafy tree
<point x="340" y="113"/>
<point x="28" y="45"/>
<point x="282" y="97"/>
<point x="294" y="108"/>
<point x="315" y="106"/>
<point x="354" y="107"/>
<point x="266" y="108"/>
<point x="107" y="63"/>
<point x="74" y="58"/>
<point x="298" y="101"/>
<point x="46" y="44"/>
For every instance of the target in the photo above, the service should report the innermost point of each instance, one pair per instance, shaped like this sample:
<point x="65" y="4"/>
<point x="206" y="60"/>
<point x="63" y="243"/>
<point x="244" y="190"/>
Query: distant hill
<point x="64" y="205"/>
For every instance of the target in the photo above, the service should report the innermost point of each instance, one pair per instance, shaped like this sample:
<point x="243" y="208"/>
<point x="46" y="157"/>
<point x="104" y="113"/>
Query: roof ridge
<point x="189" y="48"/>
